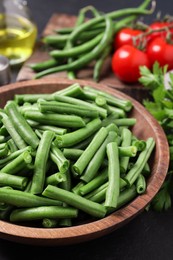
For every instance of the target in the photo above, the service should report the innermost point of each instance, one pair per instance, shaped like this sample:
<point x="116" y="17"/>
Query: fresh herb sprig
<point x="161" y="107"/>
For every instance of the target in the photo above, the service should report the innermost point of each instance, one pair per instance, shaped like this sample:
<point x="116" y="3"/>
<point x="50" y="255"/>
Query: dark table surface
<point x="150" y="234"/>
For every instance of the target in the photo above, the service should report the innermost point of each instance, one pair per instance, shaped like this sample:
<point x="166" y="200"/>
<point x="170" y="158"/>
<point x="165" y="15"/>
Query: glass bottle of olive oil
<point x="17" y="32"/>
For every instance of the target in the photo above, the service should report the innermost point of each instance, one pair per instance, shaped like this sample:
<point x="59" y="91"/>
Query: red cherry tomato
<point x="126" y="61"/>
<point x="161" y="51"/>
<point x="156" y="26"/>
<point x="125" y="36"/>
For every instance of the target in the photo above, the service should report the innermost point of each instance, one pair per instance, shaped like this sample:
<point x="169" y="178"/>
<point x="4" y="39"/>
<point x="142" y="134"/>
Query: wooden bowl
<point x="146" y="127"/>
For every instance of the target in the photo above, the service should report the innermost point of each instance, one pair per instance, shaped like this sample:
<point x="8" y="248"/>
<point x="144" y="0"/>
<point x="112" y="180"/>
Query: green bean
<point x="113" y="189"/>
<point x="55" y="119"/>
<point x="70" y="139"/>
<point x="94" y="183"/>
<point x="120" y="113"/>
<point x="91" y="208"/>
<point x="140" y="144"/>
<point x="20" y="124"/>
<point x="18" y="140"/>
<point x="12" y="146"/>
<point x="66" y="185"/>
<point x="55" y="129"/>
<point x="20" y="99"/>
<point x="42" y="212"/>
<point x="125" y="121"/>
<point x="143" y="157"/>
<point x="126" y="141"/>
<point x="90" y="151"/>
<point x="58" y="158"/>
<point x="86" y="58"/>
<point x="98" y="195"/>
<point x="72" y="153"/>
<point x="146" y="172"/>
<point x="102" y="112"/>
<point x="49" y="223"/>
<point x="43" y="65"/>
<point x="24" y="199"/>
<point x="76" y="189"/>
<point x="60" y="107"/>
<point x="55" y="179"/>
<point x="97" y="160"/>
<point x="125" y="196"/>
<point x="99" y="64"/>
<point x="140" y="184"/>
<point x="3" y="139"/>
<point x="112" y="15"/>
<point x="112" y="100"/>
<point x="4" y="151"/>
<point x="18" y="163"/>
<point x="41" y="161"/>
<point x="14" y="155"/>
<point x="128" y="151"/>
<point x="76" y="51"/>
<point x="73" y="90"/>
<point x="13" y="181"/>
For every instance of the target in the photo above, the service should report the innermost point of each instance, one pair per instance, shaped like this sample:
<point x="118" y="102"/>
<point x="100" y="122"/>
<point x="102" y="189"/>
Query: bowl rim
<point x="95" y="229"/>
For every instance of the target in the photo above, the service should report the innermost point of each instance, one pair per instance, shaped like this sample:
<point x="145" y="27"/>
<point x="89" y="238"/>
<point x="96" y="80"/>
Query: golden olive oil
<point x="17" y="38"/>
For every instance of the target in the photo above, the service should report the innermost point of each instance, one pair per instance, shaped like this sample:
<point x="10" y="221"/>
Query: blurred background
<point x="42" y="9"/>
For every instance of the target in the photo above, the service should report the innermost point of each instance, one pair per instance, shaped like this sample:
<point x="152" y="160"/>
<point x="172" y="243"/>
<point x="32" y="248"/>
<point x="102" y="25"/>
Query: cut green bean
<point x="90" y="151"/>
<point x="102" y="112"/>
<point x="91" y="208"/>
<point x="55" y="179"/>
<point x="75" y="137"/>
<point x="18" y="163"/>
<point x="126" y="141"/>
<point x="140" y="184"/>
<point x="49" y="223"/>
<point x="21" y="125"/>
<point x="55" y="119"/>
<point x="58" y="157"/>
<point x="97" y="160"/>
<point x="113" y="189"/>
<point x="55" y="129"/>
<point x="37" y="213"/>
<point x="41" y="161"/>
<point x="12" y="146"/>
<point x="25" y="199"/>
<point x="60" y="107"/>
<point x="18" y="140"/>
<point x="72" y="153"/>
<point x="143" y="157"/>
<point x="13" y="181"/>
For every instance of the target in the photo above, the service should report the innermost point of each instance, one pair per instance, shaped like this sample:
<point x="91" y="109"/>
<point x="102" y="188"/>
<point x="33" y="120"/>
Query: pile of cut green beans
<point x="87" y="42"/>
<point x="67" y="156"/>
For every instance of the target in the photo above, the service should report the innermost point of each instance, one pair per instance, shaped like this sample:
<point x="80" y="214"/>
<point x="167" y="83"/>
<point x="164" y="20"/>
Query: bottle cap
<point x="4" y="71"/>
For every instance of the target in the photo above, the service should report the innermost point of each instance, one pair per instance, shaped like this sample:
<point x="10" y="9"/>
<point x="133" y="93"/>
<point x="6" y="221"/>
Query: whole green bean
<point x="86" y="58"/>
<point x="43" y="65"/>
<point x="41" y="161"/>
<point x="77" y="50"/>
<point x="42" y="212"/>
<point x="91" y="208"/>
<point x="75" y="137"/>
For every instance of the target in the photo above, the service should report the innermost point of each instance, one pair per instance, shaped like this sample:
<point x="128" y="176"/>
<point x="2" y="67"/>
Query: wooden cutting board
<point x="107" y="77"/>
